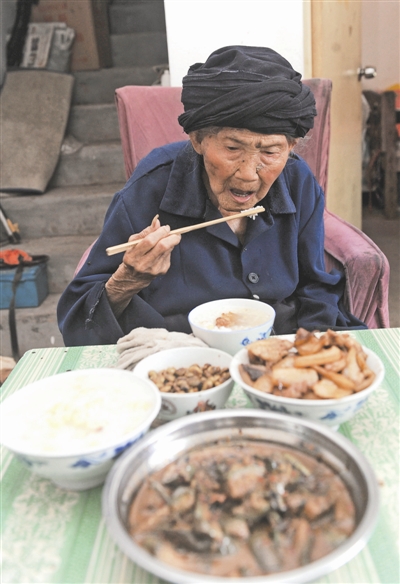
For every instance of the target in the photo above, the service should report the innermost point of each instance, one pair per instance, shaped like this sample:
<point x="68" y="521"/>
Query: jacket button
<point x="253" y="277"/>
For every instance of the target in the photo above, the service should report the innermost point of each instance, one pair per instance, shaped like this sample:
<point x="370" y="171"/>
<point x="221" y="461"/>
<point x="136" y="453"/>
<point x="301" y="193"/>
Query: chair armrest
<point x="366" y="270"/>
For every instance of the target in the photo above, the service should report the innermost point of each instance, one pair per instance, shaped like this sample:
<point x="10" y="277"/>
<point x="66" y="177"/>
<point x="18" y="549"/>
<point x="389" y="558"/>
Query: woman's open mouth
<point x="242" y="195"/>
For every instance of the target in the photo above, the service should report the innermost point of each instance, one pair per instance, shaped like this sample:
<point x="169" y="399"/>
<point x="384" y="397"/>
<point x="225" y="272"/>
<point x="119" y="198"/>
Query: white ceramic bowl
<point x="113" y="408"/>
<point x="330" y="412"/>
<point x="231" y="340"/>
<point x="175" y="405"/>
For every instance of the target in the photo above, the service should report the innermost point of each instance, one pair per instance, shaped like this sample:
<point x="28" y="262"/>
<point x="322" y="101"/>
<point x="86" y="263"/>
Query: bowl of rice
<point x="71" y="427"/>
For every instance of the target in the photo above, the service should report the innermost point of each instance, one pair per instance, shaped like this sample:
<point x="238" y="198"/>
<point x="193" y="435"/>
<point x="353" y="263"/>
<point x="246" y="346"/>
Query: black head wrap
<point x="247" y="87"/>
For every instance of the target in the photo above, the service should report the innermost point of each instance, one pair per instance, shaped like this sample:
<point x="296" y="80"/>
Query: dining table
<point x="54" y="536"/>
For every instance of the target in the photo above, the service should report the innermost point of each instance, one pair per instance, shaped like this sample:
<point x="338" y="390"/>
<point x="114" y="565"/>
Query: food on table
<point x="78" y="416"/>
<point x="189" y="379"/>
<point x="242" y="508"/>
<point x="240" y="318"/>
<point x="327" y="366"/>
<point x="274" y="350"/>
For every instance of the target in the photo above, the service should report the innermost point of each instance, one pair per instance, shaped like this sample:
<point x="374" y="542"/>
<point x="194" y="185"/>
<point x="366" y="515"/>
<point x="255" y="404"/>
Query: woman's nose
<point x="248" y="169"/>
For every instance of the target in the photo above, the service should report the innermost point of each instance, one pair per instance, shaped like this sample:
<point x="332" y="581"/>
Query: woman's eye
<point x="233" y="148"/>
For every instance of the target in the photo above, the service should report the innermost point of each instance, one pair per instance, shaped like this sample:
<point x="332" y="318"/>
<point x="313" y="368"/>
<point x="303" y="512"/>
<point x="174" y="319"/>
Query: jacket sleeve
<point x="84" y="313"/>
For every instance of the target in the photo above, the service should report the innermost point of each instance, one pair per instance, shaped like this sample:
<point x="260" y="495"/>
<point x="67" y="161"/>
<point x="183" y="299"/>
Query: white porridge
<point x="234" y="319"/>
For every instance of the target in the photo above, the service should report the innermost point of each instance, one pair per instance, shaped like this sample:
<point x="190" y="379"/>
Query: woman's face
<point x="241" y="166"/>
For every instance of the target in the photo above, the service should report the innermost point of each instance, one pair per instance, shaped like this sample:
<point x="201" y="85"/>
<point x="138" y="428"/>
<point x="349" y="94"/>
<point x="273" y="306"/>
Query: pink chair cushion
<point x="315" y="146"/>
<point x="147" y="119"/>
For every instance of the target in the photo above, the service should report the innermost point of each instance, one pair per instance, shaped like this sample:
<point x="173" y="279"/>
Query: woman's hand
<point x="150" y="258"/>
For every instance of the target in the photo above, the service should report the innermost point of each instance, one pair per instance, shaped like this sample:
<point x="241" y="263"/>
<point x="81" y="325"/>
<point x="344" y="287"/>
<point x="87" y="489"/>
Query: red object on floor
<point x="12" y="257"/>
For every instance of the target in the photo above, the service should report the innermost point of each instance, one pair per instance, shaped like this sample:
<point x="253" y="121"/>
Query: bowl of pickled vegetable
<point x="190" y="379"/>
<point x="324" y="377"/>
<point x="241" y="494"/>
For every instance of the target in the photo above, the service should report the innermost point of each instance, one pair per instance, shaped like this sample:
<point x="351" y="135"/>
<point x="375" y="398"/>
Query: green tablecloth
<point x="52" y="536"/>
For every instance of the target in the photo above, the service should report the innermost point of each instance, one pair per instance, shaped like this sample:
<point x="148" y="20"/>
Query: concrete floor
<point x="386" y="234"/>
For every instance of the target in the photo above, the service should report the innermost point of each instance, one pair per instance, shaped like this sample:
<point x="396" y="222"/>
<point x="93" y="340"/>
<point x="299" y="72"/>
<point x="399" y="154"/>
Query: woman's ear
<point x="195" y="143"/>
<point x="293" y="144"/>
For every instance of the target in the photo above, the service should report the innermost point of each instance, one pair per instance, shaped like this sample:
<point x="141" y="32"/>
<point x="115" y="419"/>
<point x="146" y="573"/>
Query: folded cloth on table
<point x="142" y="342"/>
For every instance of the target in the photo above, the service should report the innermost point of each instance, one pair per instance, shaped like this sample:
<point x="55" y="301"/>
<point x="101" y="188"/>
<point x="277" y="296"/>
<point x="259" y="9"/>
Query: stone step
<point x="143" y="49"/>
<point x="66" y="219"/>
<point x="94" y="87"/>
<point x="61" y="211"/>
<point x="36" y="327"/>
<point x="90" y="164"/>
<point x="64" y="254"/>
<point x="93" y="123"/>
<point x="136" y="16"/>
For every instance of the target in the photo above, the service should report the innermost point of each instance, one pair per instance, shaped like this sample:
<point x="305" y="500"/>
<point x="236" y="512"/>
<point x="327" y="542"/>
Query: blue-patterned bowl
<point x="257" y="321"/>
<point x="330" y="412"/>
<point x="71" y="427"/>
<point x="176" y="405"/>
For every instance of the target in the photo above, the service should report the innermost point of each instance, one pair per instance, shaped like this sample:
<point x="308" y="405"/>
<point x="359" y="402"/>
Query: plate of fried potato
<point x="325" y="377"/>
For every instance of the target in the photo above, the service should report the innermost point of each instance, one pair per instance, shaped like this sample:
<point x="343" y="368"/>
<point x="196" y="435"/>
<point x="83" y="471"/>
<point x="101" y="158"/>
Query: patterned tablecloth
<point x="50" y="535"/>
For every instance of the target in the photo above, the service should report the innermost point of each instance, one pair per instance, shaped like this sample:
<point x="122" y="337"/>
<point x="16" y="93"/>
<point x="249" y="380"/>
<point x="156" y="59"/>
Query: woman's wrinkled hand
<point x="150" y="258"/>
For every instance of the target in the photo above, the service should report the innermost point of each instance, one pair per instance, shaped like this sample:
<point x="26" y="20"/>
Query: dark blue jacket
<point x="281" y="261"/>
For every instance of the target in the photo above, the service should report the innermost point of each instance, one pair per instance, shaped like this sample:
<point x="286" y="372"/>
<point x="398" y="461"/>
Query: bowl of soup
<point x="230" y="324"/>
<point x="242" y="494"/>
<point x="71" y="427"/>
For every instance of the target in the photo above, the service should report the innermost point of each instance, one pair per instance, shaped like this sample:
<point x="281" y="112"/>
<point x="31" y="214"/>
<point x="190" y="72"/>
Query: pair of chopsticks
<point x="249" y="212"/>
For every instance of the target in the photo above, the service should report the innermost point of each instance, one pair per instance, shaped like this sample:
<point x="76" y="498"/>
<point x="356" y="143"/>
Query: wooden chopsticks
<point x="124" y="246"/>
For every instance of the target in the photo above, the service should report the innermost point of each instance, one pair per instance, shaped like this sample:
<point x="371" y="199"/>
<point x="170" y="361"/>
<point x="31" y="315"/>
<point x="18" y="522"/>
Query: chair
<point x="148" y="118"/>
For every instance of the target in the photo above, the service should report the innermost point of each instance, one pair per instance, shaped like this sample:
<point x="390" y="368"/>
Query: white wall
<point x="381" y="42"/>
<point x="196" y="28"/>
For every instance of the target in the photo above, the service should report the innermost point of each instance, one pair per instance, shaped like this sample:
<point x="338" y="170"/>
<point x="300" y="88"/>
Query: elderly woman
<point x="244" y="110"/>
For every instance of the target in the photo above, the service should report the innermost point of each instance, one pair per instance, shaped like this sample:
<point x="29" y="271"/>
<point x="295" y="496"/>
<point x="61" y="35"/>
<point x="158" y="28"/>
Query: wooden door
<point x="336" y="54"/>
